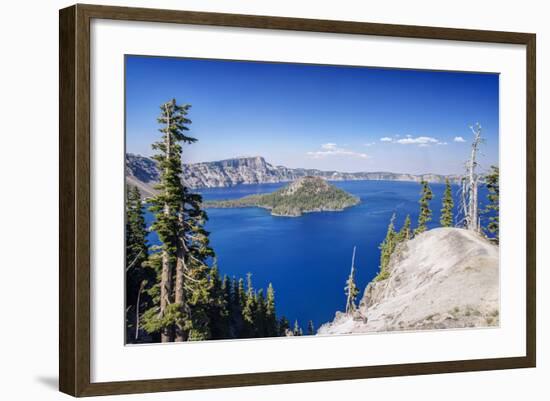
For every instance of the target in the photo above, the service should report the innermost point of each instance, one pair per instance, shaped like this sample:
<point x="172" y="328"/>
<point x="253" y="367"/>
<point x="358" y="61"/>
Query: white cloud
<point x="369" y="144"/>
<point x="459" y="139"/>
<point x="331" y="149"/>
<point x="421" y="140"/>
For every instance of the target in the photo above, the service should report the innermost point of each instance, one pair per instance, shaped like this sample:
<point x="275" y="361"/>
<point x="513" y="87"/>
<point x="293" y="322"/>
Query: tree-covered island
<point x="305" y="195"/>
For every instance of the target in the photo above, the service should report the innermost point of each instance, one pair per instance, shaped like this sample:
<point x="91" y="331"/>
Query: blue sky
<point x="315" y="116"/>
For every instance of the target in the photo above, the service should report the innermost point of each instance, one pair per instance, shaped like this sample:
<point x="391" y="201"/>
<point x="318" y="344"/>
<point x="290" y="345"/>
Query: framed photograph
<point x="250" y="200"/>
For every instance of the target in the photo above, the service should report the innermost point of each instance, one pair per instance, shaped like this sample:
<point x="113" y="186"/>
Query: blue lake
<point x="307" y="258"/>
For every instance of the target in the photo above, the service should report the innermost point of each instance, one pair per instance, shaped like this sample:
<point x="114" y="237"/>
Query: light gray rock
<point x="444" y="278"/>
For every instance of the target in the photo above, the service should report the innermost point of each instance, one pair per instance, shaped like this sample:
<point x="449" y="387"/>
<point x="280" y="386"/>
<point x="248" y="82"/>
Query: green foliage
<point x="139" y="277"/>
<point x="284" y="325"/>
<point x="406" y="232"/>
<point x="153" y="321"/>
<point x="136" y="232"/>
<point x="218" y="311"/>
<point x="270" y="313"/>
<point x="198" y="284"/>
<point x="199" y="305"/>
<point x="492" y="209"/>
<point x="386" y="249"/>
<point x="166" y="205"/>
<point x="306" y="195"/>
<point x="446" y="218"/>
<point x="249" y="310"/>
<point x="260" y="315"/>
<point x="425" y="215"/>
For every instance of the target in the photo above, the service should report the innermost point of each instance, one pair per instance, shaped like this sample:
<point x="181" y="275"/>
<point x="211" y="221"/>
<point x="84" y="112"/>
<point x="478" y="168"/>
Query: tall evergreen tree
<point x="492" y="209"/>
<point x="446" y="218"/>
<point x="227" y="294"/>
<point x="284" y="326"/>
<point x="297" y="331"/>
<point x="270" y="313"/>
<point x="405" y="233"/>
<point x="386" y="249"/>
<point x="241" y="293"/>
<point x="218" y="315"/>
<point x="425" y="215"/>
<point x="310" y="328"/>
<point x="260" y="321"/>
<point x="237" y="302"/>
<point x="179" y="222"/>
<point x="249" y="310"/>
<point x="138" y="275"/>
<point x="166" y="206"/>
<point x="196" y="298"/>
<point x="151" y="321"/>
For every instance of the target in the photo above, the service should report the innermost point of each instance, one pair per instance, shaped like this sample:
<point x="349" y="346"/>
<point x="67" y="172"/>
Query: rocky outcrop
<point x="142" y="171"/>
<point x="305" y="195"/>
<point x="443" y="278"/>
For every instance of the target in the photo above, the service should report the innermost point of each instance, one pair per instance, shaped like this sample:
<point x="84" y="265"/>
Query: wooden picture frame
<point x="74" y="199"/>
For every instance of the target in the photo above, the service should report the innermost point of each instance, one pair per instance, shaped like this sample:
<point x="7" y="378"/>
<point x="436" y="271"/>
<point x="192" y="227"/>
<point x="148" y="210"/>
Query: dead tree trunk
<point x="141" y="287"/>
<point x="350" y="303"/>
<point x="473" y="180"/>
<point x="180" y="274"/>
<point x="470" y="182"/>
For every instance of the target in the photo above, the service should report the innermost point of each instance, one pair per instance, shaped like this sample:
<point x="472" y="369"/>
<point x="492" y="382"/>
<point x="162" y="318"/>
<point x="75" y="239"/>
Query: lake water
<point x="308" y="258"/>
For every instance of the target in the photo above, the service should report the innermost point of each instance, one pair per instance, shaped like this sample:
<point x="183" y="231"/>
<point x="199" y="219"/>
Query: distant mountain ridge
<point x="142" y="172"/>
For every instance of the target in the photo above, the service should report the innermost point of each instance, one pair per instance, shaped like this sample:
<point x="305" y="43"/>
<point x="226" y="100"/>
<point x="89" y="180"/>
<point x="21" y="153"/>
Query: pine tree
<point x="425" y="215"/>
<point x="386" y="249"/>
<point x="446" y="218"/>
<point x="237" y="302"/>
<point x="284" y="326"/>
<point x="184" y="250"/>
<point x="166" y="206"/>
<point x="310" y="328"/>
<point x="138" y="275"/>
<point x="218" y="315"/>
<point x="151" y="321"/>
<point x="241" y="294"/>
<point x="227" y="294"/>
<point x="493" y="208"/>
<point x="249" y="310"/>
<point x="270" y="313"/>
<point x="297" y="331"/>
<point x="196" y="300"/>
<point x="351" y="289"/>
<point x="260" y="315"/>
<point x="405" y="233"/>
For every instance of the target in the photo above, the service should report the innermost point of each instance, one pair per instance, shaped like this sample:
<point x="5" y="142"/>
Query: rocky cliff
<point x="443" y="278"/>
<point x="142" y="171"/>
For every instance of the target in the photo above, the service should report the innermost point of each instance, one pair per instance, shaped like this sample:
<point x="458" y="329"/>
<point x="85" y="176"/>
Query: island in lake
<point x="305" y="195"/>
